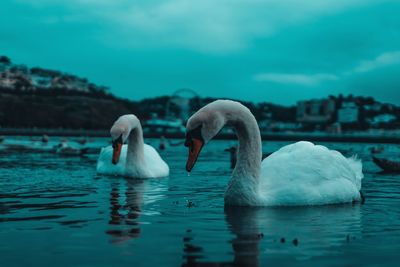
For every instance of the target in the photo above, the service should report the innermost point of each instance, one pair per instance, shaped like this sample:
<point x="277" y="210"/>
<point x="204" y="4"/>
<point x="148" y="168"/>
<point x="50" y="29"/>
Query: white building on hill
<point x="348" y="113"/>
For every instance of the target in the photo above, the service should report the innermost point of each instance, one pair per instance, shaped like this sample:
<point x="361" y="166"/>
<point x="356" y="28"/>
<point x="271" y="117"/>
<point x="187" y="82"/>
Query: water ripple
<point x="56" y="209"/>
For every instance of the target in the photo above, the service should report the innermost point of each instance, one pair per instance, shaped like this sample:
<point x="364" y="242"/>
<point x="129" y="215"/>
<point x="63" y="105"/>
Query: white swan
<point x="297" y="174"/>
<point x="138" y="159"/>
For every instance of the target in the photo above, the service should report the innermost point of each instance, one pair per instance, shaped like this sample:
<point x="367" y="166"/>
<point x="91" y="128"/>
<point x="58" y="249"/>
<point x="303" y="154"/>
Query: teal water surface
<point x="56" y="211"/>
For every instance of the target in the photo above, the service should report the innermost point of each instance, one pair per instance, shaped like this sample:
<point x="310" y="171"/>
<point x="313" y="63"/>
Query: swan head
<point x="119" y="134"/>
<point x="200" y="129"/>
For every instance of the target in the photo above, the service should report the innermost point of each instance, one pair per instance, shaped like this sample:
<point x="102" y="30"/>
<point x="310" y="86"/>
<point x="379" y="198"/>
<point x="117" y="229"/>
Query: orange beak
<point x="195" y="147"/>
<point x="116" y="152"/>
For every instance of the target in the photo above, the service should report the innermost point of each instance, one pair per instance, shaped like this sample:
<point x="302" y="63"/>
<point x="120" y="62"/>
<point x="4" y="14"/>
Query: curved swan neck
<point x="135" y="152"/>
<point x="249" y="152"/>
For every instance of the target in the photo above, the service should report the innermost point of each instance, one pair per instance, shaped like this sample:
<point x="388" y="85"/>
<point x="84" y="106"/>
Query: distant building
<point x="373" y="107"/>
<point x="390" y="107"/>
<point x="41" y="81"/>
<point x="382" y="119"/>
<point x="264" y="125"/>
<point x="334" y="128"/>
<point x="267" y="125"/>
<point x="158" y="125"/>
<point x="315" y="111"/>
<point x="284" y="126"/>
<point x="6" y="81"/>
<point x="70" y="83"/>
<point x="15" y="79"/>
<point x="19" y="77"/>
<point x="348" y="113"/>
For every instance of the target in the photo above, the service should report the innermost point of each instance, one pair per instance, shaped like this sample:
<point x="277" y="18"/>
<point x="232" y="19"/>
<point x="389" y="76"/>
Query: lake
<point x="56" y="211"/>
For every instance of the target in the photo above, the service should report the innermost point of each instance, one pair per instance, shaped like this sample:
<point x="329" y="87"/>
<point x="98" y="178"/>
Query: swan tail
<point x="356" y="166"/>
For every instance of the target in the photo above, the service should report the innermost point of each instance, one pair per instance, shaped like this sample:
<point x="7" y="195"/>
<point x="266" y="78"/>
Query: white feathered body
<point x="303" y="174"/>
<point x="152" y="166"/>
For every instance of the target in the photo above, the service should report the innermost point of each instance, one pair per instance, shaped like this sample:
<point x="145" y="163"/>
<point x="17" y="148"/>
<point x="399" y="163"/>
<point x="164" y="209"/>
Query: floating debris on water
<point x="187" y="239"/>
<point x="283" y="240"/>
<point x="190" y="204"/>
<point x="295" y="242"/>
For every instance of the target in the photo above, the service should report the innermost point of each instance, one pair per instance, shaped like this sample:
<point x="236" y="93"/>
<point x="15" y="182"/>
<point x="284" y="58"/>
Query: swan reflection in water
<point x="127" y="198"/>
<point x="125" y="216"/>
<point x="292" y="233"/>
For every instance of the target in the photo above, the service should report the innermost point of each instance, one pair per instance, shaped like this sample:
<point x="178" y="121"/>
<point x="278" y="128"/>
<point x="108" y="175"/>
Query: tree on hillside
<point x="5" y="60"/>
<point x="45" y="72"/>
<point x="22" y="83"/>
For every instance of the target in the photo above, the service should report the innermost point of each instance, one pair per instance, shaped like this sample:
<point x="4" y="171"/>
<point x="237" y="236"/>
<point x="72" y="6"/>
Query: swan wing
<point x="306" y="174"/>
<point x="155" y="165"/>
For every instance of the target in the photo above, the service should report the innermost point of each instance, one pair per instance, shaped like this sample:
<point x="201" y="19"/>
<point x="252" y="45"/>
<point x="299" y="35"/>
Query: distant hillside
<point x="37" y="97"/>
<point x="61" y="109"/>
<point x="43" y="98"/>
<point x="22" y="78"/>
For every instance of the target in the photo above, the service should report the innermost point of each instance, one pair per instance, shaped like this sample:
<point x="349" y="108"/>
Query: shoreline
<point x="389" y="138"/>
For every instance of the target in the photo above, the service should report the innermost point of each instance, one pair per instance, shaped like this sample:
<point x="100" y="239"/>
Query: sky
<point x="277" y="51"/>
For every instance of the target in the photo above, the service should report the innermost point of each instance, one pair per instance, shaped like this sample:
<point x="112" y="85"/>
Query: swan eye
<point x="188" y="143"/>
<point x="193" y="134"/>
<point x="117" y="141"/>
